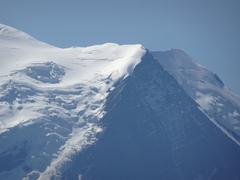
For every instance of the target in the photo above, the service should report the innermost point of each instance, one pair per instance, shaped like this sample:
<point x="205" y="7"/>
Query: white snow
<point x="205" y="101"/>
<point x="90" y="72"/>
<point x="234" y="114"/>
<point x="13" y="117"/>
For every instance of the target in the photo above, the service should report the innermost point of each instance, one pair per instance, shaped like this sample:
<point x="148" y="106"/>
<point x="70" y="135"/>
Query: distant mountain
<point x="112" y="112"/>
<point x="220" y="104"/>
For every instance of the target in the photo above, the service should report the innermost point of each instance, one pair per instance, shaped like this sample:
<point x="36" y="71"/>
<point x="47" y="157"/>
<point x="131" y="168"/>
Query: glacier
<point x="112" y="111"/>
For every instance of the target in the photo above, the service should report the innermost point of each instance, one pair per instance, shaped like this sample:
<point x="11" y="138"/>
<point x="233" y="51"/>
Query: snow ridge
<point x="63" y="90"/>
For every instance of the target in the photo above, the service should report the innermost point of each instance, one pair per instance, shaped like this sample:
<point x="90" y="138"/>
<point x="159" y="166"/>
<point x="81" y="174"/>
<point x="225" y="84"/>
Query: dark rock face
<point x="154" y="130"/>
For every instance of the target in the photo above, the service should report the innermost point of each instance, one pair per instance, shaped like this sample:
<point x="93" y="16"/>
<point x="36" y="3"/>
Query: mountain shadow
<point x="154" y="130"/>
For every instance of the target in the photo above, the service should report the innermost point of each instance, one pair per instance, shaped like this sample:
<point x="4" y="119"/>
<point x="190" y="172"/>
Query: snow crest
<point x="62" y="90"/>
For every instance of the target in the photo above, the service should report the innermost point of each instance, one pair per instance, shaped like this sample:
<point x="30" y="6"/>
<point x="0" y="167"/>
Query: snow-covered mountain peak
<point x="176" y="59"/>
<point x="181" y="64"/>
<point x="44" y="84"/>
<point x="11" y="38"/>
<point x="54" y="102"/>
<point x="19" y="50"/>
<point x="10" y="32"/>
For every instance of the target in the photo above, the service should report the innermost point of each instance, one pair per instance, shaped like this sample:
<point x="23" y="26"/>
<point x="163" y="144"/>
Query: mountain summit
<point x="112" y="112"/>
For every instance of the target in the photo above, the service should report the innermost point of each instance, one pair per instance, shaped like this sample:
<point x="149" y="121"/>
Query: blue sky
<point x="208" y="30"/>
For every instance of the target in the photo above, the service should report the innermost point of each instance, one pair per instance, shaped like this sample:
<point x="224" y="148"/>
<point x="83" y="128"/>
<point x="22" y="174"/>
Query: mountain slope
<point x="154" y="130"/>
<point x="104" y="112"/>
<point x="205" y="87"/>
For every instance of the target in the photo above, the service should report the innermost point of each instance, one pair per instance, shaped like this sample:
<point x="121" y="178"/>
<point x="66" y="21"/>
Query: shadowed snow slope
<point x="111" y="112"/>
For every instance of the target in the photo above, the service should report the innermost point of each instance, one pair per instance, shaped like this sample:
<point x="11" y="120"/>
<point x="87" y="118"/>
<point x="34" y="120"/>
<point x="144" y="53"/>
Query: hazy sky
<point x="209" y="30"/>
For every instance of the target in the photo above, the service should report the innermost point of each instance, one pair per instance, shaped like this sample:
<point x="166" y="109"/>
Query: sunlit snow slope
<point x="54" y="98"/>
